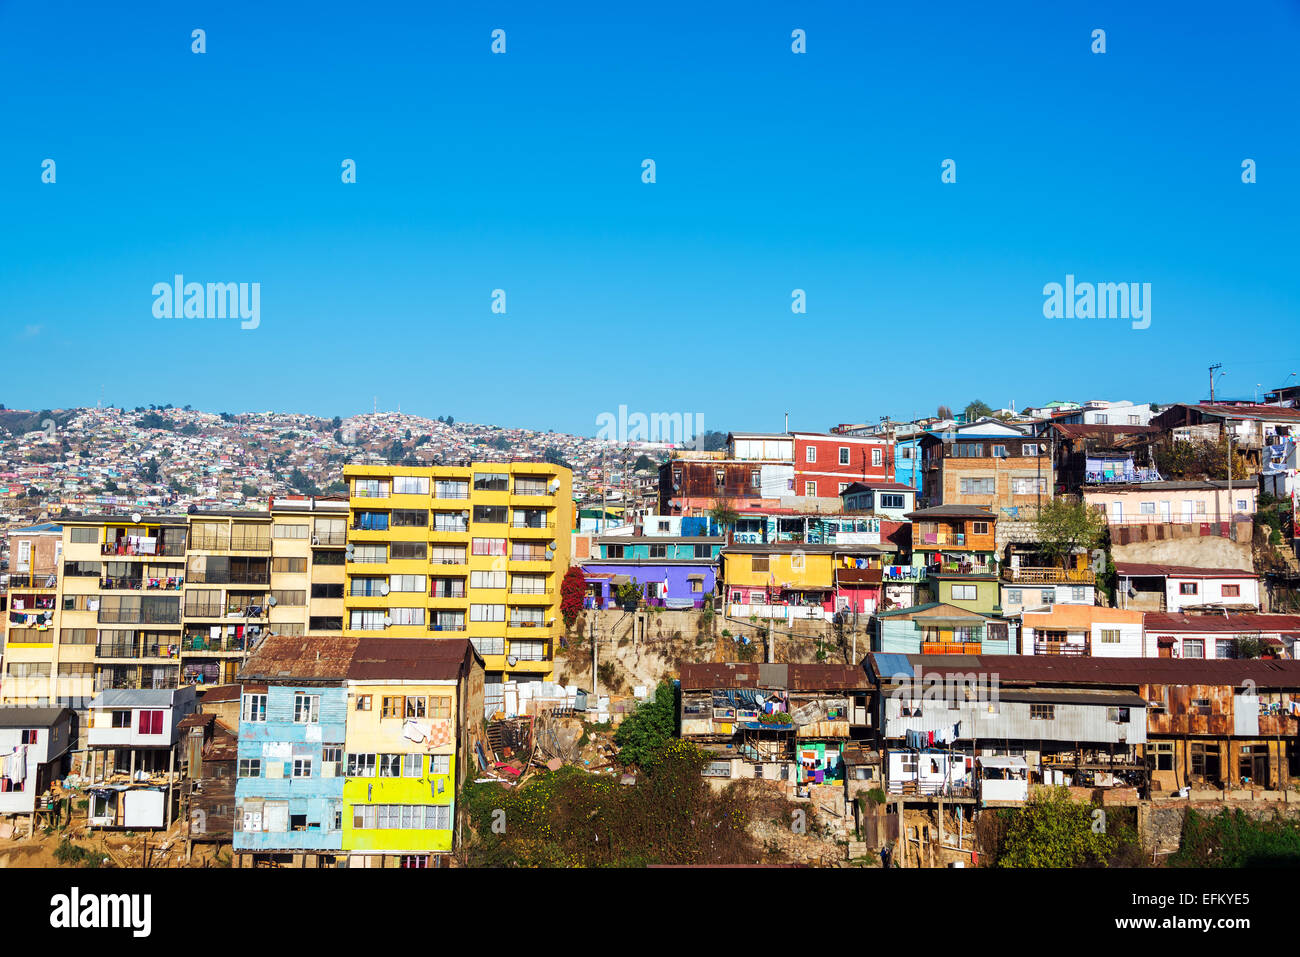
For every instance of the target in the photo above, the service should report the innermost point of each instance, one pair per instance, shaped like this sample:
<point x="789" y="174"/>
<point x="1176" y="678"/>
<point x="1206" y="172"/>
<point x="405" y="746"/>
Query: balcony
<point x="230" y="543"/>
<point x="948" y="569"/>
<point x="137" y="584"/>
<point x="207" y="645"/>
<point x="35" y="581"/>
<point x="123" y="549"/>
<point x="1064" y="648"/>
<point x="133" y="652"/>
<point x="1128" y="476"/>
<point x="1049" y="576"/>
<point x="951" y="647"/>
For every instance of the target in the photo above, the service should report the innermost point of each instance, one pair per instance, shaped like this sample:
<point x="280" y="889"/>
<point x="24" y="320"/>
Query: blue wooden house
<point x="292" y="723"/>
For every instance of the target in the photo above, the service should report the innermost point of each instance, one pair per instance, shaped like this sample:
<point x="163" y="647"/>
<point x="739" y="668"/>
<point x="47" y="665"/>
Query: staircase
<point x="494" y="741"/>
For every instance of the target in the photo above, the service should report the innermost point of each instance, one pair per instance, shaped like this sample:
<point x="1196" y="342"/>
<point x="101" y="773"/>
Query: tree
<point x="713" y="441"/>
<point x="977" y="409"/>
<point x="644" y="734"/>
<point x="644" y="464"/>
<point x="724" y="514"/>
<point x="573" y="589"/>
<point x="1064" y="526"/>
<point x="1052" y="830"/>
<point x="629" y="593"/>
<point x="336" y="423"/>
<point x="944" y="412"/>
<point x="149" y="471"/>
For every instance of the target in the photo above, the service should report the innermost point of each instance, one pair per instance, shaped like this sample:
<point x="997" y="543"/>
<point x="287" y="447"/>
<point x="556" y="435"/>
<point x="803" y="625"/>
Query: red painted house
<point x="825" y="464"/>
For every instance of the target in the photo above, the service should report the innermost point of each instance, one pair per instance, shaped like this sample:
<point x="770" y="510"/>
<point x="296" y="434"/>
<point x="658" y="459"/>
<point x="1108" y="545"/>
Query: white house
<point x="891" y="500"/>
<point x="1082" y="630"/>
<point x="1216" y="636"/>
<point x="1171" y="588"/>
<point x="34" y="743"/>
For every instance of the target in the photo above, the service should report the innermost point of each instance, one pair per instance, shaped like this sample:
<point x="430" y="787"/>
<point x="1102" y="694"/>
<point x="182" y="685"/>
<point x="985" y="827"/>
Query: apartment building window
<point x="84" y="536"/>
<point x="411" y="765"/>
<point x="290" y="531"/>
<point x="369" y="488"/>
<point x="447" y="621"/>
<point x="447" y="588"/>
<point x="489" y="646"/>
<point x="409" y="551"/>
<point x="1110" y="636"/>
<point x="977" y="486"/>
<point x="370" y="619"/>
<point x="330" y="531"/>
<point x="410" y="518"/>
<point x="810" y="489"/>
<point x="1028" y="486"/>
<point x="367" y="587"/>
<point x="82" y="569"/>
<point x="493" y="514"/>
<point x="530" y="486"/>
<point x="1187" y="588"/>
<point x="390" y="765"/>
<point x="1193" y="648"/>
<point x="440" y="763"/>
<point x="407" y="583"/>
<point x="491" y="482"/>
<point x="487" y="546"/>
<point x="963" y="592"/>
<point x="325" y="623"/>
<point x="877" y="457"/>
<point x="410" y="485"/>
<point x="528" y="585"/>
<point x="841" y="487"/>
<point x="293" y="566"/>
<point x="369" y="554"/>
<point x="1042" y="712"/>
<point x="720" y="478"/>
<point x="306" y="709"/>
<point x="250" y="768"/>
<point x="361" y="765"/>
<point x="327" y="590"/>
<point x="253" y="708"/>
<point x="527" y="617"/>
<point x="370" y="521"/>
<point x="416" y="706"/>
<point x="1147" y="508"/>
<point x="302" y="767"/>
<point x="889" y="500"/>
<point x="294" y="628"/>
<point x="487" y="612"/>
<point x="528" y="650"/>
<point x="485" y="579"/>
<point x="527" y="552"/>
<point x="451" y="488"/>
<point x="290" y="597"/>
<point x="324" y="557"/>
<point x="78" y="636"/>
<point x="810" y="454"/>
<point x="447" y="555"/>
<point x="406" y="616"/>
<point x="844" y="455"/>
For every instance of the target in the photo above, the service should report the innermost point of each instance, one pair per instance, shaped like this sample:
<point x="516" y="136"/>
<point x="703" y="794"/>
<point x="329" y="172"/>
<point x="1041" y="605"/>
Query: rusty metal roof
<point x="1079" y="671"/>
<point x="1233" y="624"/>
<point x="299" y="658"/>
<point x="1145" y="570"/>
<point x="433" y="659"/>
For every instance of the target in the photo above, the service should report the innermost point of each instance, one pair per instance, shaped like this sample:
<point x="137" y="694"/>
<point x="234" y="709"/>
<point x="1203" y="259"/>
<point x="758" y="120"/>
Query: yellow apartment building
<point x="474" y="551"/>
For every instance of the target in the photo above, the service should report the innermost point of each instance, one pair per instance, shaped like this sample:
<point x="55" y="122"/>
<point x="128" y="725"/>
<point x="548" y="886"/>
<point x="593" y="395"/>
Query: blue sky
<point x="522" y="172"/>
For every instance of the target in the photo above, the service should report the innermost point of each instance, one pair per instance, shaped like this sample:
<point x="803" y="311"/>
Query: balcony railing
<point x="1049" y="576"/>
<point x="126" y="550"/>
<point x="132" y="651"/>
<point x="959" y="568"/>
<point x="223" y="644"/>
<point x="531" y="523"/>
<point x="34" y="580"/>
<point x="1127" y="477"/>
<point x="1060" y="648"/>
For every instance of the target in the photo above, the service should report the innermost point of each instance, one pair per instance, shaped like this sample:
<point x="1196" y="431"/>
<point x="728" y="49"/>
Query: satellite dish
<point x="553" y="545"/>
<point x="387" y="620"/>
<point x="272" y="601"/>
<point x="383" y="588"/>
<point x="315" y="540"/>
<point x="136" y="517"/>
<point x="512" y="661"/>
<point x="348" y="548"/>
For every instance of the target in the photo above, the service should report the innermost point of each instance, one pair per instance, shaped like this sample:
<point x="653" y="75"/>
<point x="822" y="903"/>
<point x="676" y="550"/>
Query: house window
<point x="810" y="489"/>
<point x="842" y="487"/>
<point x="121" y="719"/>
<point x="844" y="455"/>
<point x="1231" y="591"/>
<point x="29" y="737"/>
<point x="877" y="457"/>
<point x="1147" y="508"/>
<point x="976" y="486"/>
<point x="364" y="702"/>
<point x="250" y="768"/>
<point x="1048" y="596"/>
<point x="999" y="451"/>
<point x="151" y="722"/>
<point x="361" y="765"/>
<point x="390" y="765"/>
<point x="1194" y="648"/>
<point x="1225" y="648"/>
<point x="391" y="708"/>
<point x="1164" y="755"/>
<point x="1014" y="596"/>
<point x="254" y="708"/>
<point x="759" y="563"/>
<point x="979" y="528"/>
<point x="417" y="706"/>
<point x="811" y="453"/>
<point x="332" y="759"/>
<point x="1187" y="588"/>
<point x="440" y="764"/>
<point x="963" y="592"/>
<point x="1110" y="636"/>
<point x="1078" y="593"/>
<point x="1042" y="712"/>
<point x="1241" y="504"/>
<point x="755" y="478"/>
<point x="411" y="765"/>
<point x="306" y="709"/>
<point x="1028" y="449"/>
<point x="891" y="501"/>
<point x="302" y="767"/>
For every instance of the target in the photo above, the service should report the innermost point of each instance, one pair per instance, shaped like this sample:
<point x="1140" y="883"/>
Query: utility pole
<point x="595" y="678"/>
<point x="1217" y="365"/>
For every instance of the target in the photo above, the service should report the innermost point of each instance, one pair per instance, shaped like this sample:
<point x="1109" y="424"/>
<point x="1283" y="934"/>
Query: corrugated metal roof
<point x="434" y="659"/>
<point x="791" y="677"/>
<point x="951" y="511"/>
<point x="31" y="717"/>
<point x="1234" y="624"/>
<point x="1145" y="570"/>
<point x="134" y="698"/>
<point x="301" y="657"/>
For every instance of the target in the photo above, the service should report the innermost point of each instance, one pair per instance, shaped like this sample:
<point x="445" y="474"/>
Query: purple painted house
<point x="672" y="572"/>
